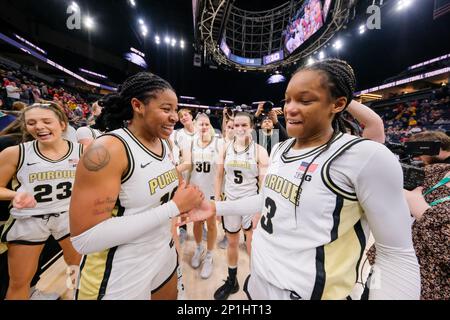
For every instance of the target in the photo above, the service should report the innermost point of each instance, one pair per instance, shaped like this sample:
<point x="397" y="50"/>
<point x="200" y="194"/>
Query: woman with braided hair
<point x="323" y="192"/>
<point x="126" y="192"/>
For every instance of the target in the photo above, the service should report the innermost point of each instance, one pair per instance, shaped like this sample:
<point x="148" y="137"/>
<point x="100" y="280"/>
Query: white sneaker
<point x="195" y="261"/>
<point x="207" y="268"/>
<point x="39" y="295"/>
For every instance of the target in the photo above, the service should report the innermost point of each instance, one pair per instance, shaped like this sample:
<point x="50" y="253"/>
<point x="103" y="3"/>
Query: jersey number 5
<point x="239" y="178"/>
<point x="266" y="221"/>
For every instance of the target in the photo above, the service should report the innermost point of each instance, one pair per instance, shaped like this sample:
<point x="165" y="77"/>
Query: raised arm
<point x="373" y="124"/>
<point x="380" y="193"/>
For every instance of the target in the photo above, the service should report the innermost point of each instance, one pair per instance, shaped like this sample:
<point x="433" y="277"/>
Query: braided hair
<point x="340" y="81"/>
<point x="117" y="107"/>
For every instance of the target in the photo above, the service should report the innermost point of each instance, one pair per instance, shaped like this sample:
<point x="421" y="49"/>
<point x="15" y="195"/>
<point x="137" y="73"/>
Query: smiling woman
<point x="324" y="190"/>
<point x="126" y="192"/>
<point x="43" y="172"/>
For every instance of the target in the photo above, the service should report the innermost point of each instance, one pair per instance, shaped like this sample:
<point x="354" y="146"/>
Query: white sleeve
<point x="120" y="230"/>
<point x="84" y="133"/>
<point x="379" y="188"/>
<point x="241" y="207"/>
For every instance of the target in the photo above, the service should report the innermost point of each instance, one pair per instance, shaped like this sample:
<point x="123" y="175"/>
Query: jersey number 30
<point x="266" y="221"/>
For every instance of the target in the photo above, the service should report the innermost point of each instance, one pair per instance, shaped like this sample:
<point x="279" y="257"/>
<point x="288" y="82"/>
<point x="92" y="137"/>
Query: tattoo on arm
<point x="102" y="206"/>
<point x="96" y="158"/>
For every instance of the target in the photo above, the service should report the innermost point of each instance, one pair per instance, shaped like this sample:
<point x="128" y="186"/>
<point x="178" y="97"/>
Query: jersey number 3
<point x="266" y="221"/>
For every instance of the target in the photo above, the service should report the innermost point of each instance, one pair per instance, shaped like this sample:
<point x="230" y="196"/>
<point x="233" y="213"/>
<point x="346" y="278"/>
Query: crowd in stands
<point x="405" y="119"/>
<point x="16" y="87"/>
<point x="18" y="90"/>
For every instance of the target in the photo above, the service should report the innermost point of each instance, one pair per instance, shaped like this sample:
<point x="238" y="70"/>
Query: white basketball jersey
<point x="182" y="140"/>
<point x="241" y="172"/>
<point x="50" y="181"/>
<point x="312" y="248"/>
<point x="204" y="163"/>
<point x="150" y="182"/>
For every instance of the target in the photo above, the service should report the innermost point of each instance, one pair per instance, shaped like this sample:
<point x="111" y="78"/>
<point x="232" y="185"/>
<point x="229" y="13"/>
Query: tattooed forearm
<point x="104" y="205"/>
<point x="105" y="210"/>
<point x="108" y="200"/>
<point x="96" y="158"/>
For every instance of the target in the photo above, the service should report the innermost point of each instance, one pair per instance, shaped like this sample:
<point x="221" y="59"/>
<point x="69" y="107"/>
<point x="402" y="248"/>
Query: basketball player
<point x="43" y="172"/>
<point x="182" y="139"/>
<point x="203" y="156"/>
<point x="243" y="162"/>
<point x="228" y="135"/>
<point x="126" y="191"/>
<point x="323" y="192"/>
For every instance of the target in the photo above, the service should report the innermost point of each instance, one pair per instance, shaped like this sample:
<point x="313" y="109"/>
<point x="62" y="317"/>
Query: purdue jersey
<point x="50" y="181"/>
<point x="150" y="181"/>
<point x="312" y="245"/>
<point x="183" y="139"/>
<point x="241" y="172"/>
<point x="204" y="161"/>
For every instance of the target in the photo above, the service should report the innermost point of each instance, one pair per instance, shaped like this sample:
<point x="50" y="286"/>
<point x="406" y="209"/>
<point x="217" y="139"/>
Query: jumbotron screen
<point x="306" y="22"/>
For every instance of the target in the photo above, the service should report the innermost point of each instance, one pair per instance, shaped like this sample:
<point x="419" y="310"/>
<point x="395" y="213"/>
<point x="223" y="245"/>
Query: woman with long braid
<point x="323" y="192"/>
<point x="126" y="191"/>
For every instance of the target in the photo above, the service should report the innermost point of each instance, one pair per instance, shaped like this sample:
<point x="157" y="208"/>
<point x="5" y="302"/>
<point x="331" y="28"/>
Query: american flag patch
<point x="311" y="168"/>
<point x="73" y="162"/>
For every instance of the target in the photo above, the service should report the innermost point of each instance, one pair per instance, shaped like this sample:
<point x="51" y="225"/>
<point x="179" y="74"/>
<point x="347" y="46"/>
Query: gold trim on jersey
<point x="337" y="265"/>
<point x="130" y="170"/>
<point x="243" y="151"/>
<point x="288" y="159"/>
<point x="95" y="269"/>
<point x="21" y="157"/>
<point x="40" y="155"/>
<point x="198" y="145"/>
<point x="143" y="147"/>
<point x="325" y="173"/>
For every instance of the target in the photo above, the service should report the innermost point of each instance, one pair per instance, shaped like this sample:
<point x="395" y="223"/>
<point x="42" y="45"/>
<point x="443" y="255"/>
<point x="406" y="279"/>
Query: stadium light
<point x="310" y="61"/>
<point x="166" y="40"/>
<point x="89" y="22"/>
<point x="157" y="40"/>
<point x="173" y="42"/>
<point x="144" y="30"/>
<point x="337" y="45"/>
<point x="362" y="29"/>
<point x="132" y="3"/>
<point x="402" y="4"/>
<point x="141" y="22"/>
<point x="321" y="55"/>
